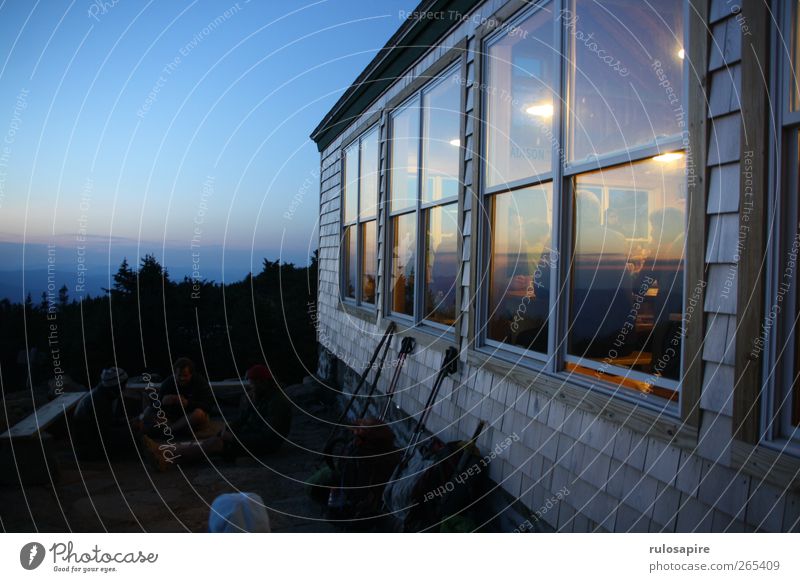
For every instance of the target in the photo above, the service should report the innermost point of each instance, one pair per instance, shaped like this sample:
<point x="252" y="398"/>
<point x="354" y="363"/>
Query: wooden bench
<point x="223" y="390"/>
<point x="25" y="449"/>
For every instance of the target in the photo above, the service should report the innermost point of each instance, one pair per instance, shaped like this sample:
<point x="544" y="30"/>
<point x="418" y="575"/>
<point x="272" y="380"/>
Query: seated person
<point x="261" y="426"/>
<point x="238" y="512"/>
<point x="99" y="427"/>
<point x="183" y="404"/>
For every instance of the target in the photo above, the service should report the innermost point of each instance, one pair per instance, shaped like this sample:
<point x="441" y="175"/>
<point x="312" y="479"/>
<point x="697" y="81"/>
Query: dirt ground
<point x="130" y="496"/>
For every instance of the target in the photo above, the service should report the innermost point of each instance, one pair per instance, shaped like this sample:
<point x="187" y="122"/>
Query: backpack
<point x="366" y="465"/>
<point x="434" y="491"/>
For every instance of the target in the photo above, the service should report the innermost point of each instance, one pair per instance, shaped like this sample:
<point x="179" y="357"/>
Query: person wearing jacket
<point x="260" y="427"/>
<point x="99" y="428"/>
<point x="183" y="405"/>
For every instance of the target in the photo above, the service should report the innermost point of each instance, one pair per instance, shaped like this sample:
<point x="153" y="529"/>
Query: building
<point x="597" y="204"/>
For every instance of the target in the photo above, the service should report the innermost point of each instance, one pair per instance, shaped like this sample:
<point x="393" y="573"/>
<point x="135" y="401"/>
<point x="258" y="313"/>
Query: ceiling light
<point x="542" y="110"/>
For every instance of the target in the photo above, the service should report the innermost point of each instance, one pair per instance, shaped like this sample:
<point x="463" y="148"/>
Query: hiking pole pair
<point x="406" y="347"/>
<point x="383" y="345"/>
<point x="449" y="366"/>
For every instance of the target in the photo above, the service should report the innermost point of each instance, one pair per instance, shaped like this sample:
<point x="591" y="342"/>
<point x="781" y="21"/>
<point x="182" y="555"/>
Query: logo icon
<point x="31" y="555"/>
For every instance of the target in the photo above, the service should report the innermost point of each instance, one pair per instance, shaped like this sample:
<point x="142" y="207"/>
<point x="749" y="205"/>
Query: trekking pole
<point x="374" y="383"/>
<point x="406" y="347"/>
<point x="383" y="344"/>
<point x="449" y="366"/>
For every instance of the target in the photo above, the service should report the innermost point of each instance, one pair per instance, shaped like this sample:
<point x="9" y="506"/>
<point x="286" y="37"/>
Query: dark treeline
<point x="146" y="320"/>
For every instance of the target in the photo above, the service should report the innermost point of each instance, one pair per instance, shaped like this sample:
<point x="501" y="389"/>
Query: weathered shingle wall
<point x="618" y="479"/>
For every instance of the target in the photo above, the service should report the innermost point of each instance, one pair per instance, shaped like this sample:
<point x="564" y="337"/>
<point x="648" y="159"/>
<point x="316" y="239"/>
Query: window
<point x="781" y="412"/>
<point x="591" y="161"/>
<point x="425" y="152"/>
<point x="359" y="213"/>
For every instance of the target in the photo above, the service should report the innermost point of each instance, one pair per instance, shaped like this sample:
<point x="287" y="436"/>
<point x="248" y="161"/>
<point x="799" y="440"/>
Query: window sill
<point x="606" y="406"/>
<point x="368" y="314"/>
<point x="774" y="467"/>
<point x="427" y="337"/>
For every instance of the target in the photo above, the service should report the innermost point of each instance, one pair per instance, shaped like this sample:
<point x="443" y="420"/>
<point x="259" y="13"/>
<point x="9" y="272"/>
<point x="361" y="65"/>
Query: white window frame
<point x="562" y="176"/>
<point x="358" y="222"/>
<point x="419" y="210"/>
<point x="780" y="352"/>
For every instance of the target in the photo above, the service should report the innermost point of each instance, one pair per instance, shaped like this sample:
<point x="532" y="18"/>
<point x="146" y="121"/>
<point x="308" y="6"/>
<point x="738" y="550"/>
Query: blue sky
<point x="132" y="121"/>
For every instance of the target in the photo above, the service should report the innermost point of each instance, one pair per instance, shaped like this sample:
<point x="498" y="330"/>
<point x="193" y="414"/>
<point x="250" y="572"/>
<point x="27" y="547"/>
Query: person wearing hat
<point x="261" y="425"/>
<point x="238" y="512"/>
<point x="99" y="427"/>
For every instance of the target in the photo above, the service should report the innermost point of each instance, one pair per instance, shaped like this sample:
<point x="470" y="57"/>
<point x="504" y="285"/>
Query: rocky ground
<point x="129" y="495"/>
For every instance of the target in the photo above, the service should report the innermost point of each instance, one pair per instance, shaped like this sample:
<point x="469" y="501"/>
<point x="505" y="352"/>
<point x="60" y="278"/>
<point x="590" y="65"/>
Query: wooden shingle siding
<point x="723" y="146"/>
<point x="724" y="93"/>
<point x="623" y="473"/>
<point x="726" y="43"/>
<point x="722" y="254"/>
<point x="723" y="188"/>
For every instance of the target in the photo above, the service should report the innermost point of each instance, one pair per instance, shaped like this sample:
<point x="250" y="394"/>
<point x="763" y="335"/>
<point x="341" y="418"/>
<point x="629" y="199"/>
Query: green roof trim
<point x="412" y="40"/>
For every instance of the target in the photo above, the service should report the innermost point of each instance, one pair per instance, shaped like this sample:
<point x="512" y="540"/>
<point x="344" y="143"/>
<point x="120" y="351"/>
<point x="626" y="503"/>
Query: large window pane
<point x="350" y="181"/>
<point x="404" y="260"/>
<point x="441" y="264"/>
<point x="519" y="267"/>
<point x="627" y="76"/>
<point x="627" y="272"/>
<point x="520" y="97"/>
<point x="441" y="144"/>
<point x="404" y="168"/>
<point x="349" y="263"/>
<point x="369" y="175"/>
<point x="369" y="262"/>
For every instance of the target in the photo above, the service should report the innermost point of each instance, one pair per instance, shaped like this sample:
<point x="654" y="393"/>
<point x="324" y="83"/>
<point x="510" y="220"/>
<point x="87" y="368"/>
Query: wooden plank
<point x="697" y="186"/>
<point x="750" y="291"/>
<point x="44" y="416"/>
<point x="774" y="467"/>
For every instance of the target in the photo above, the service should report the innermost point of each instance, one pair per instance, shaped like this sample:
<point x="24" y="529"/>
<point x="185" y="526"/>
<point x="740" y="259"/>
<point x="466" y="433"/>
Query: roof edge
<point x="415" y="37"/>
